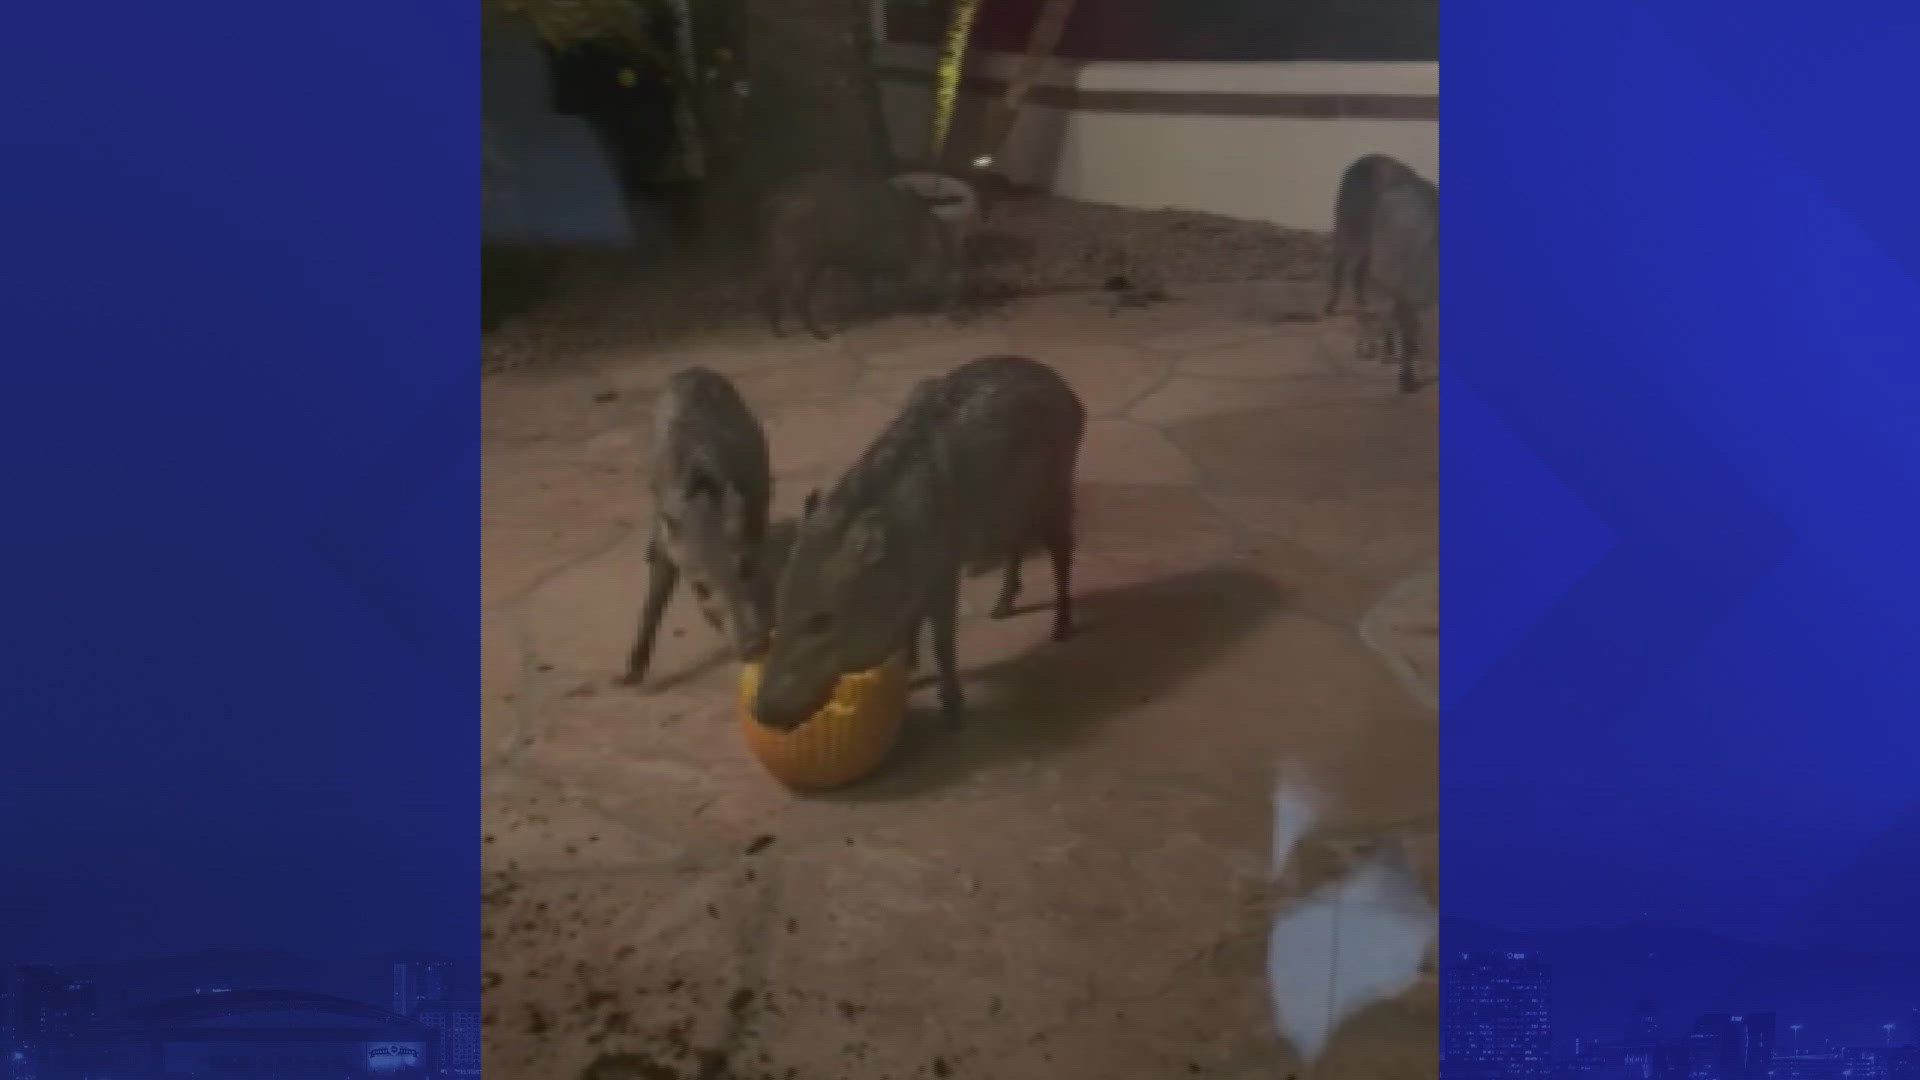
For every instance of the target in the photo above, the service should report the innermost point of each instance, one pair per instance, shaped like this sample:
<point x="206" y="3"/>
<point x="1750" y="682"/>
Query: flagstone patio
<point x="1076" y="884"/>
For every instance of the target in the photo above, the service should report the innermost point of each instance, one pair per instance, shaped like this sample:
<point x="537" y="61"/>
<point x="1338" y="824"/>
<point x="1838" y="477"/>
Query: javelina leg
<point x="1060" y="547"/>
<point x="770" y="303"/>
<point x="1009" y="588"/>
<point x="1368" y="338"/>
<point x="662" y="576"/>
<point x="1409" y="344"/>
<point x="943" y="611"/>
<point x="913" y="648"/>
<point x="960" y="312"/>
<point x="957" y="296"/>
<point x="1338" y="278"/>
<point x="867" y="306"/>
<point x="808" y="302"/>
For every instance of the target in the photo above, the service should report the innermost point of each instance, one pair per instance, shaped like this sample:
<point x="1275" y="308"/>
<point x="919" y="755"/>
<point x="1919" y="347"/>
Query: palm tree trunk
<point x="946" y="87"/>
<point x="686" y="83"/>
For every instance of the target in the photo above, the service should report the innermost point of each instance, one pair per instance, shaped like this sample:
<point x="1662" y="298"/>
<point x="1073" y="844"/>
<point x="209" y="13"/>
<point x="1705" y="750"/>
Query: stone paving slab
<point x="1404" y="628"/>
<point x="1073" y="884"/>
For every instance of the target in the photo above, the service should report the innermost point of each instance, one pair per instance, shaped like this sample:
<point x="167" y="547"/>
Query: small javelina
<point x="882" y="236"/>
<point x="1353" y="216"/>
<point x="975" y="472"/>
<point x="1403" y="264"/>
<point x="712" y="483"/>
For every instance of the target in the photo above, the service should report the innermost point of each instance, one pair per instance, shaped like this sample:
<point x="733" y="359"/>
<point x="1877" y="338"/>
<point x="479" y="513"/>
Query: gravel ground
<point x="1045" y="245"/>
<point x="1026" y="246"/>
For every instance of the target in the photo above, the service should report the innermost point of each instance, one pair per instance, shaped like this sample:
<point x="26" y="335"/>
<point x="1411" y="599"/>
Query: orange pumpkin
<point x="845" y="741"/>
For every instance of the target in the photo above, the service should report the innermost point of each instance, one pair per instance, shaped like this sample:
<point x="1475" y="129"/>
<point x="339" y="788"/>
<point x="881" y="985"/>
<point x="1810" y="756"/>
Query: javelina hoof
<point x="633" y="677"/>
<point x="1408" y="384"/>
<point x="1001" y="611"/>
<point x="953" y="701"/>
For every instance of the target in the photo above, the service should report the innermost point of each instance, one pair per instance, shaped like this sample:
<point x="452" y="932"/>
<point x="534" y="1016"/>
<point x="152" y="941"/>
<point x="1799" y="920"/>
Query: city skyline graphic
<point x="1506" y="1013"/>
<point x="241" y="1011"/>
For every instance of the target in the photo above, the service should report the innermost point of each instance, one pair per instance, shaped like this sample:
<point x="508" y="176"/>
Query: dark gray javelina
<point x="882" y="236"/>
<point x="1403" y="264"/>
<point x="975" y="472"/>
<point x="712" y="483"/>
<point x="1353" y="217"/>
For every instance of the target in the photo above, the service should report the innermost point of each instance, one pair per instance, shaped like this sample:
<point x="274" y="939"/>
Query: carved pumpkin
<point x="845" y="741"/>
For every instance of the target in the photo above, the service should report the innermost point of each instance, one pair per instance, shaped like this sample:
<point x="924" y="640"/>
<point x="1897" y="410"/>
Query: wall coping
<point x="1302" y="89"/>
<point x="1418" y="77"/>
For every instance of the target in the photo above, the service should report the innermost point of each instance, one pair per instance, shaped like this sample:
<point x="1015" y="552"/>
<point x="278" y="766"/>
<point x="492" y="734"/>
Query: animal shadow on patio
<point x="1131" y="644"/>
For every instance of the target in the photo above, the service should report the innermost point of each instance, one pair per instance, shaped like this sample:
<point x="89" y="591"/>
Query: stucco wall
<point x="1259" y="140"/>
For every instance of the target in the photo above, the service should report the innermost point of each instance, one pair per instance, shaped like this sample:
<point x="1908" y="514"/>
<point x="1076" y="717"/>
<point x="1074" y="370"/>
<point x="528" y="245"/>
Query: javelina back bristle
<point x="975" y="471"/>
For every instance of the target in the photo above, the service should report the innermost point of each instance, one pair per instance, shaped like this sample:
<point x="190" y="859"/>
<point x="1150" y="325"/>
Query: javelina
<point x="877" y="233"/>
<point x="1353" y="217"/>
<point x="976" y="471"/>
<point x="712" y="483"/>
<point x="1403" y="263"/>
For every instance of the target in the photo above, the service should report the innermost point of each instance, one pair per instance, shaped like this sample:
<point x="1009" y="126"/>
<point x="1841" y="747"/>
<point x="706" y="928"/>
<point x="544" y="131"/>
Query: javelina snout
<point x="712" y="483"/>
<point x="788" y="694"/>
<point x="975" y="472"/>
<point x="849" y="599"/>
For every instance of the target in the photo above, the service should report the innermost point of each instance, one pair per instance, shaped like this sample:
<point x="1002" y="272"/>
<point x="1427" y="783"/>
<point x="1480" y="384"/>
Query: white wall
<point x="1278" y="169"/>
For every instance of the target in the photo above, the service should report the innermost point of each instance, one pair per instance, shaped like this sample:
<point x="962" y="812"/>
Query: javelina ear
<point x="867" y="537"/>
<point x="812" y="504"/>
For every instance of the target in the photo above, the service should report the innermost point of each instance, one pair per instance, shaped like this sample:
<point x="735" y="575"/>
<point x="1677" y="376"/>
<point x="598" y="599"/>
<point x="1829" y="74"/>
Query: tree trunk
<point x="867" y="40"/>
<point x="719" y="44"/>
<point x="691" y="158"/>
<point x="813" y="101"/>
<point x="949" y="74"/>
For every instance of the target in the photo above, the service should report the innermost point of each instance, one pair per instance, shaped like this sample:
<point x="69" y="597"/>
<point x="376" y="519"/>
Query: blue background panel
<point x="1678" y="468"/>
<point x="240" y="429"/>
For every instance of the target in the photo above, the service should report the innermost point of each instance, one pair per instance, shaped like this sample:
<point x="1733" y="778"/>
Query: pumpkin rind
<point x="845" y="741"/>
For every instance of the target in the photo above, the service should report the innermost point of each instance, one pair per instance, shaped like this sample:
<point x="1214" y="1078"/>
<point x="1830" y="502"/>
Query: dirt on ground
<point x="1080" y="880"/>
